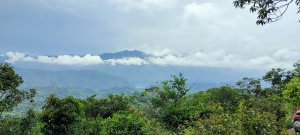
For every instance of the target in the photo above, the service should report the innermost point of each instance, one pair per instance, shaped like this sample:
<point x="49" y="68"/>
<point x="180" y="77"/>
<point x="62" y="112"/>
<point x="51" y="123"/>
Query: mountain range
<point x="123" y="54"/>
<point x="83" y="81"/>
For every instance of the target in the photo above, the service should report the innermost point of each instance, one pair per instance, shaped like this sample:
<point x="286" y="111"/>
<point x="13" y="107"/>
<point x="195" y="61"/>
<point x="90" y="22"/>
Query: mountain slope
<point x="80" y="83"/>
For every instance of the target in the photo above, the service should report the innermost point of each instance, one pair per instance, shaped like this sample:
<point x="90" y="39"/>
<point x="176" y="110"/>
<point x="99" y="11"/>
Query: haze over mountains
<point x="102" y="79"/>
<point x="79" y="83"/>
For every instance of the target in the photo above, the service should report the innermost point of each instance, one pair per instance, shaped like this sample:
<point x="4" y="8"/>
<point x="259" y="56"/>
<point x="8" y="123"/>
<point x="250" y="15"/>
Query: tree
<point x="171" y="91"/>
<point x="28" y="122"/>
<point x="292" y="92"/>
<point x="250" y="86"/>
<point x="220" y="124"/>
<point x="227" y="97"/>
<point x="91" y="126"/>
<point x="105" y="107"/>
<point x="163" y="102"/>
<point x="9" y="126"/>
<point x="60" y="116"/>
<point x="19" y="125"/>
<point x="10" y="95"/>
<point x="256" y="119"/>
<point x="268" y="10"/>
<point x="278" y="77"/>
<point x="294" y="72"/>
<point x="125" y="124"/>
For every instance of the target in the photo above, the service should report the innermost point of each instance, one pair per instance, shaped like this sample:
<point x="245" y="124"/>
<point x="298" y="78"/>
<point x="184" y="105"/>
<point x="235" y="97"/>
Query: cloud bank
<point x="78" y="27"/>
<point x="283" y="58"/>
<point x="88" y="59"/>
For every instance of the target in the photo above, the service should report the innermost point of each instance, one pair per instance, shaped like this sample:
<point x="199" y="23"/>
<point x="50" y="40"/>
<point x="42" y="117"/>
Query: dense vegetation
<point x="246" y="108"/>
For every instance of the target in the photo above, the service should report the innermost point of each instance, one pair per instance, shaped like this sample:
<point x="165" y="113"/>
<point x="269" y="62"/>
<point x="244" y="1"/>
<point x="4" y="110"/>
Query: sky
<point x="180" y="33"/>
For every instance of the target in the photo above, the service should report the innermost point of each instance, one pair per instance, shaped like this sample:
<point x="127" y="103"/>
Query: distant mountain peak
<point x="123" y="54"/>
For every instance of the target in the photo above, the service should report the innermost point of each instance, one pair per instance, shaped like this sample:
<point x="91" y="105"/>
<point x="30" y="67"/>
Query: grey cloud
<point x="190" y="33"/>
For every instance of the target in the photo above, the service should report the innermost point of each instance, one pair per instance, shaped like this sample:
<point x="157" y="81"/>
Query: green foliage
<point x="276" y="77"/>
<point x="227" y="97"/>
<point x="19" y="126"/>
<point x="125" y="124"/>
<point x="292" y="92"/>
<point x="9" y="126"/>
<point x="10" y="95"/>
<point x="196" y="105"/>
<point x="28" y="122"/>
<point x="267" y="10"/>
<point x="61" y="116"/>
<point x="279" y="78"/>
<point x="167" y="109"/>
<point x="105" y="107"/>
<point x="171" y="92"/>
<point x="256" y="120"/>
<point x="164" y="102"/>
<point x="247" y="119"/>
<point x="90" y="126"/>
<point x="224" y="124"/>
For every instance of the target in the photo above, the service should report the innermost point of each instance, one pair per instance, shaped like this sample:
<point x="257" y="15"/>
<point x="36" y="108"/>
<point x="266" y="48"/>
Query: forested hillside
<point x="79" y="83"/>
<point x="245" y="108"/>
<point x="149" y="67"/>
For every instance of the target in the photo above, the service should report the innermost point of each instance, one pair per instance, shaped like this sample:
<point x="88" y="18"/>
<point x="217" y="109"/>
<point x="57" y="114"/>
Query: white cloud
<point x="16" y="56"/>
<point x="127" y="61"/>
<point x="13" y="57"/>
<point x="283" y="58"/>
<point x="154" y="51"/>
<point x="200" y="59"/>
<point x="201" y="11"/>
<point x="127" y="5"/>
<point x="88" y="59"/>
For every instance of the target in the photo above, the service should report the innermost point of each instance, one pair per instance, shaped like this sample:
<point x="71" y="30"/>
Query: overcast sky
<point x="186" y="32"/>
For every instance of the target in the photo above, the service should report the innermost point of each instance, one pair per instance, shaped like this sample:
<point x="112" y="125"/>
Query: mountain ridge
<point x="123" y="54"/>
